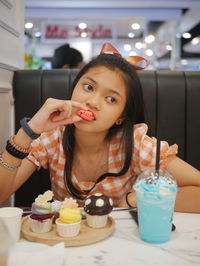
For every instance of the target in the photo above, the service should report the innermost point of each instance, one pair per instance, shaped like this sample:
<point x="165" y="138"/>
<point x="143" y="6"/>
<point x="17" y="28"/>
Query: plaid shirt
<point x="47" y="152"/>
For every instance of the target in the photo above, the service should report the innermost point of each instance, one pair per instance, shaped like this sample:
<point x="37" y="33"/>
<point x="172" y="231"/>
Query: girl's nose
<point x="93" y="102"/>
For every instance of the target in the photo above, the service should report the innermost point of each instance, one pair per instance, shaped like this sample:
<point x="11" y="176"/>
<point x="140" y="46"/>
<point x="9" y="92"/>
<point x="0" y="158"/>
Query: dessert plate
<point x="86" y="236"/>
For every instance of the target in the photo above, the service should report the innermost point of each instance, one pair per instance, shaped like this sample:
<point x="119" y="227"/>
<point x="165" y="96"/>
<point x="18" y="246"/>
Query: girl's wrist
<point x="28" y="128"/>
<point x="131" y="199"/>
<point x="22" y="139"/>
<point x="34" y="126"/>
<point x="17" y="148"/>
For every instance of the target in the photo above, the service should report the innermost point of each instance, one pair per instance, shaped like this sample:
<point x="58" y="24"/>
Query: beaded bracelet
<point x="6" y="165"/>
<point x="15" y="152"/>
<point x="16" y="146"/>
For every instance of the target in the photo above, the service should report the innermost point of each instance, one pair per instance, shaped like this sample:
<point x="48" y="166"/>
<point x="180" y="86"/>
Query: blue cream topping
<point x="160" y="186"/>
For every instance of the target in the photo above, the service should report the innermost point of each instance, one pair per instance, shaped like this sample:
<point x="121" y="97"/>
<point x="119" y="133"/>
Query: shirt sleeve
<point x="38" y="154"/>
<point x="44" y="148"/>
<point x="145" y="150"/>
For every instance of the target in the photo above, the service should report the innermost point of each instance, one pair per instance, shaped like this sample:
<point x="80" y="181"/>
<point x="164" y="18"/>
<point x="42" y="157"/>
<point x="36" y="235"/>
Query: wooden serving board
<point x="86" y="236"/>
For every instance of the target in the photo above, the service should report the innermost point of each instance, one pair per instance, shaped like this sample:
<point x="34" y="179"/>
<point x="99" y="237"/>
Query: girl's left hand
<point x="131" y="198"/>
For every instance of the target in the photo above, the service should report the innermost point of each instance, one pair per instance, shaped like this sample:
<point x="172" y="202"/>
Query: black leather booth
<point x="174" y="96"/>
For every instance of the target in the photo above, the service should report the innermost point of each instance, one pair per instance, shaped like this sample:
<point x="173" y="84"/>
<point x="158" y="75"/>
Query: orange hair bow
<point x="137" y="62"/>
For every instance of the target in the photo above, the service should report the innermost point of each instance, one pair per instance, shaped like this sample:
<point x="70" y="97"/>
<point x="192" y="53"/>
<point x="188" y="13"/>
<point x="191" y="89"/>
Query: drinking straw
<point x="157" y="165"/>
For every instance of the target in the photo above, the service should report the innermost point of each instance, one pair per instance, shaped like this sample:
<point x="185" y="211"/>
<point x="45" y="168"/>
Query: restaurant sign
<point x="55" y="32"/>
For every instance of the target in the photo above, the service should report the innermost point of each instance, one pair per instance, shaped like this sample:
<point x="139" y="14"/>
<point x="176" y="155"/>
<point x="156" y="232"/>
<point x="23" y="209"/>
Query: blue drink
<point x="155" y="203"/>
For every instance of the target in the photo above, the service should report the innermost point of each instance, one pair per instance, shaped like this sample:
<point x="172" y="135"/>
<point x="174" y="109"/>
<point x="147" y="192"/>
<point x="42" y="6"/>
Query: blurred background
<point x="167" y="33"/>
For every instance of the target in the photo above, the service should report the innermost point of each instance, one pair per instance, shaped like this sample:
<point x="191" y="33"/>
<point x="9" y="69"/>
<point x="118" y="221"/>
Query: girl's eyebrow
<point x="109" y="90"/>
<point x="91" y="79"/>
<point x="115" y="92"/>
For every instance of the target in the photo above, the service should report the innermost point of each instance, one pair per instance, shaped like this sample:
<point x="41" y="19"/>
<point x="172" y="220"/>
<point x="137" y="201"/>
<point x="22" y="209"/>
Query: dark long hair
<point x="133" y="114"/>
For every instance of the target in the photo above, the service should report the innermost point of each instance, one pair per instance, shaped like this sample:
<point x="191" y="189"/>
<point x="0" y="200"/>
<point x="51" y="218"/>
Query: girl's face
<point x="104" y="92"/>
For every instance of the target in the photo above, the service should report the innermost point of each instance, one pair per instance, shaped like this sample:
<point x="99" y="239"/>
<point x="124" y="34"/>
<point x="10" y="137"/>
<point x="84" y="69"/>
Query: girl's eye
<point x="110" y="99"/>
<point x="88" y="87"/>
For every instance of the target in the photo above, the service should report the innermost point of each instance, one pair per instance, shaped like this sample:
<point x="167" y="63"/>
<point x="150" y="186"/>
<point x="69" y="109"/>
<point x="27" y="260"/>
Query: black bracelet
<point x="14" y="152"/>
<point x="127" y="199"/>
<point x="24" y="124"/>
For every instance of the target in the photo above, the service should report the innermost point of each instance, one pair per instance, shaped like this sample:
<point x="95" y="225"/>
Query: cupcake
<point x="97" y="207"/>
<point x="42" y="216"/>
<point x="69" y="221"/>
<point x="55" y="207"/>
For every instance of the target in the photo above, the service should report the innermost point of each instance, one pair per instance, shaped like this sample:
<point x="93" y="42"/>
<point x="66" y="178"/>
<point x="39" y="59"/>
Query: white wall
<point x="11" y="59"/>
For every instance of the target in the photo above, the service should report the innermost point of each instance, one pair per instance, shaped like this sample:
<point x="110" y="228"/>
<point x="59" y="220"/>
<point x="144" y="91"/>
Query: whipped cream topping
<point x="161" y="185"/>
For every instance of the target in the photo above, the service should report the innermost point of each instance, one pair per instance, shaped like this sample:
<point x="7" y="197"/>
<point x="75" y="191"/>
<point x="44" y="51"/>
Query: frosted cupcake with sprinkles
<point x="97" y="207"/>
<point x="42" y="216"/>
<point x="69" y="221"/>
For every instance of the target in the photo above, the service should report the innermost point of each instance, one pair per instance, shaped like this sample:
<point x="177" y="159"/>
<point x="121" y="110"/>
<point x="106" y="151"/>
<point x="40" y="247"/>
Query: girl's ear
<point x="119" y="121"/>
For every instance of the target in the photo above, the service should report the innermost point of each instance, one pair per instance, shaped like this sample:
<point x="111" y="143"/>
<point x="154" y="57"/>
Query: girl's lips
<point x="86" y="114"/>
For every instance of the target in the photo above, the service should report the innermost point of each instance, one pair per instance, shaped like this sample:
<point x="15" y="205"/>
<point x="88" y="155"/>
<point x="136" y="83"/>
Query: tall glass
<point x="155" y="197"/>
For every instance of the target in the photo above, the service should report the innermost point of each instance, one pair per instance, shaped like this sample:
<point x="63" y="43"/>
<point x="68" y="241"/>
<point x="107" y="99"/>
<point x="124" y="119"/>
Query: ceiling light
<point x="127" y="47"/>
<point x="195" y="40"/>
<point x="28" y="25"/>
<point x="82" y="25"/>
<point x="131" y="35"/>
<point x="149" y="52"/>
<point x="132" y="53"/>
<point x="150" y="38"/>
<point x="186" y="35"/>
<point x="135" y="26"/>
<point x="83" y="34"/>
<point x="139" y="45"/>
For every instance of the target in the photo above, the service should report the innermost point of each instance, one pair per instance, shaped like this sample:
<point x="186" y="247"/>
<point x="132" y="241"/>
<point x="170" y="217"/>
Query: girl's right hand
<point x="55" y="113"/>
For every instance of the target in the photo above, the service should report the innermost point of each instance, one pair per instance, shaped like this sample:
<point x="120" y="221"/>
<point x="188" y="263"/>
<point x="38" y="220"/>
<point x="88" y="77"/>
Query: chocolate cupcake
<point x="97" y="207"/>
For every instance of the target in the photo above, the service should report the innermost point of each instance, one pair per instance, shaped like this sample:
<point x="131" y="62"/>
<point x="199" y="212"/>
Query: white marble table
<point x="124" y="248"/>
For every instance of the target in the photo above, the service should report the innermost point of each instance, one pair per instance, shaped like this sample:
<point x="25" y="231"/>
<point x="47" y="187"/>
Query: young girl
<point x="103" y="155"/>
